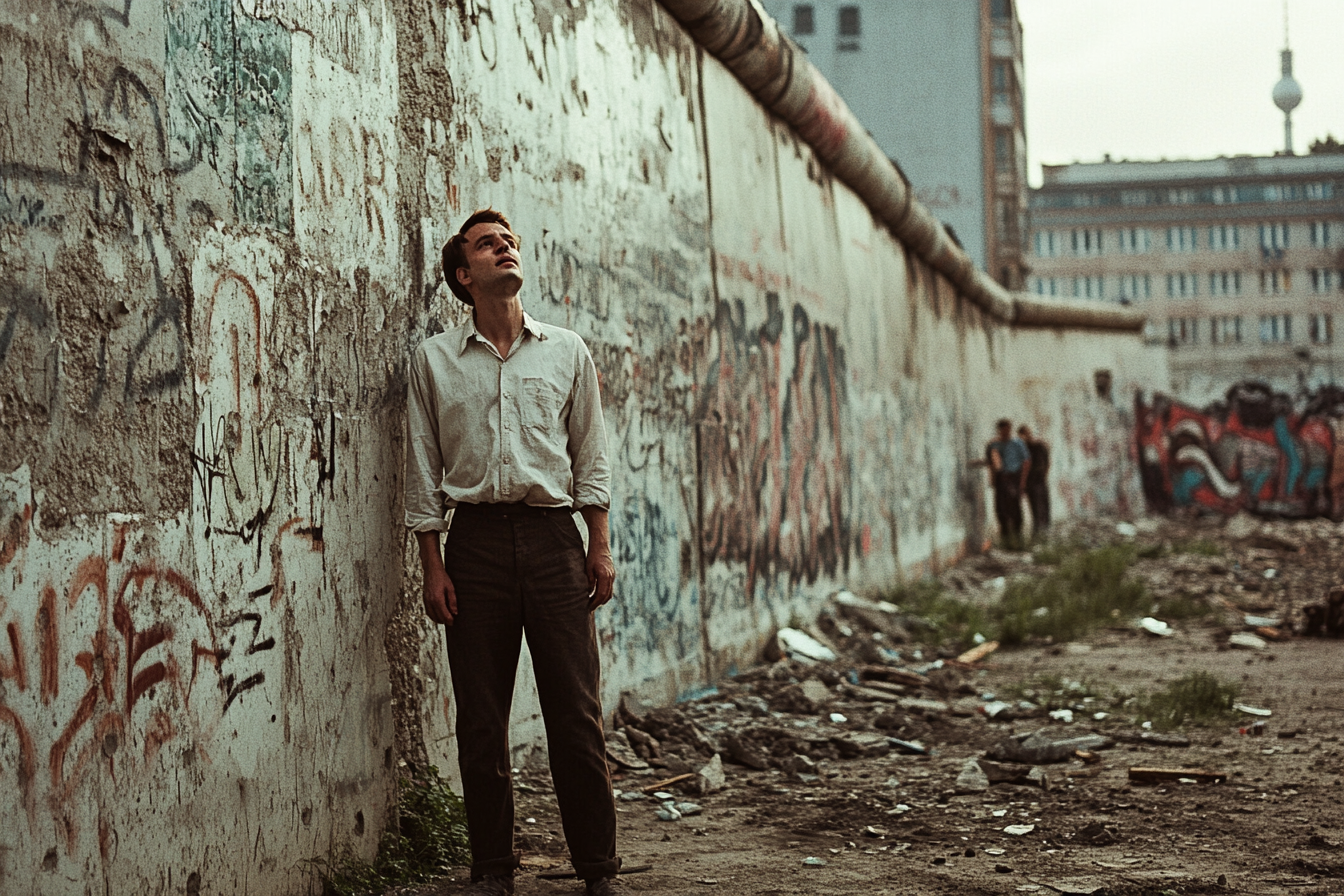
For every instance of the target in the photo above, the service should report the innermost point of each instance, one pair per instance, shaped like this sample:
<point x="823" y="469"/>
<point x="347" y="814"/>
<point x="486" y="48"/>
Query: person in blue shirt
<point x="1009" y="465"/>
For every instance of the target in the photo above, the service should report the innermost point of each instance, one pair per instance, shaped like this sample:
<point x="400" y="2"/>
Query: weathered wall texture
<point x="220" y="226"/>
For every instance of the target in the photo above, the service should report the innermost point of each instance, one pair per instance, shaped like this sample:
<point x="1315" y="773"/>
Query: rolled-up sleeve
<point x="588" y="438"/>
<point x="426" y="508"/>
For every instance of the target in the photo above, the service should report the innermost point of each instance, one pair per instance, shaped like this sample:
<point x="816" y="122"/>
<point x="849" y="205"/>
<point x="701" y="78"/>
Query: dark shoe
<point x="605" y="886"/>
<point x="491" y="885"/>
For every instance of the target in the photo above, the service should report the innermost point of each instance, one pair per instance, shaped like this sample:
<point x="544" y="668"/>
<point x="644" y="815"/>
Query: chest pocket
<point x="540" y="405"/>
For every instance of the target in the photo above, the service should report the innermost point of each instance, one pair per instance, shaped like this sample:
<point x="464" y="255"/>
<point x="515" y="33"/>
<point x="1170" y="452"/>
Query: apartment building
<point x="939" y="87"/>
<point x="1239" y="261"/>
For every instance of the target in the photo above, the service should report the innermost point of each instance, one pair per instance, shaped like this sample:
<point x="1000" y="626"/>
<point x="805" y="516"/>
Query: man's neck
<point x="500" y="320"/>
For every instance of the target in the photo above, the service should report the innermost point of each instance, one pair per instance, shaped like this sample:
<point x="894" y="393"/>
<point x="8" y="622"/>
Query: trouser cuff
<point x="597" y="870"/>
<point x="500" y="867"/>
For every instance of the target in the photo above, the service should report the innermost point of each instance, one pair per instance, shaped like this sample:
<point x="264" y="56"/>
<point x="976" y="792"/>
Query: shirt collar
<point x="469" y="332"/>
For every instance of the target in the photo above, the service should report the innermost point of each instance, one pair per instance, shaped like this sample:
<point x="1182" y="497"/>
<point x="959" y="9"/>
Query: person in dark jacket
<point x="1037" y="488"/>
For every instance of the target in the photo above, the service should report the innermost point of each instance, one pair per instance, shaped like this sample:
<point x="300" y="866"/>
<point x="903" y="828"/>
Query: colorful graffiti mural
<point x="1257" y="450"/>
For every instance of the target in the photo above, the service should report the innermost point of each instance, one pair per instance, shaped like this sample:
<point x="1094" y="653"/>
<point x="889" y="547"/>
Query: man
<point x="1038" y="490"/>
<point x="504" y="428"/>
<point x="1009" y="464"/>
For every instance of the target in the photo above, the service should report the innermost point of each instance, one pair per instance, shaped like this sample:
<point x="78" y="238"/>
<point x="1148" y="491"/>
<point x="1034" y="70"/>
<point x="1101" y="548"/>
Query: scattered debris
<point x="795" y="644"/>
<point x="1017" y="830"/>
<point x="1163" y="775"/>
<point x="814" y="862"/>
<point x="666" y="782"/>
<point x="1247" y="640"/>
<point x="711" y="776"/>
<point x="972" y="779"/>
<point x="1156" y="738"/>
<point x="618" y="748"/>
<point x="979" y="652"/>
<point x="1046" y="745"/>
<point x="1156" y="627"/>
<point x="1252" y="710"/>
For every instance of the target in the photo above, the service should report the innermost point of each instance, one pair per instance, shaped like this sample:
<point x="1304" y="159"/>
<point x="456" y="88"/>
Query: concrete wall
<point x="220" y="228"/>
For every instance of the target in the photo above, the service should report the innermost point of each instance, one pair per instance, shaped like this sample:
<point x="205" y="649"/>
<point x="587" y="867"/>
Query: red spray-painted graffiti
<point x="773" y="462"/>
<point x="1258" y="450"/>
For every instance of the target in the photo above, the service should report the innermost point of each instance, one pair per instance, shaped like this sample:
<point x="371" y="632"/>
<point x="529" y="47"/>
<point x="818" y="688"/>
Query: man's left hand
<point x="601" y="577"/>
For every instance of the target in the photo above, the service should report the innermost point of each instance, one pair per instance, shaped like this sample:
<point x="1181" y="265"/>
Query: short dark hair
<point x="1004" y="421"/>
<point x="455" y="250"/>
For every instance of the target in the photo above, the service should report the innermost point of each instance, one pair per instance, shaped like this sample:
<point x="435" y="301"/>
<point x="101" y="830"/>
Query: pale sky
<point x="1147" y="79"/>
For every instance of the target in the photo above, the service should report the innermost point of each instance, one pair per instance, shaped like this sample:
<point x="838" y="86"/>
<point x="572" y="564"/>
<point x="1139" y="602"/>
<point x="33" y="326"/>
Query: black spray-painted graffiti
<point x="773" y="465"/>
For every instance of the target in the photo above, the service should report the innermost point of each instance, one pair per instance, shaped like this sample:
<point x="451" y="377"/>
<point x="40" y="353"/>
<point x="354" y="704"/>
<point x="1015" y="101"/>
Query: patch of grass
<point x="1201" y="546"/>
<point x="1053" y="553"/>
<point x="1083" y="592"/>
<point x="926" y="604"/>
<point x="429" y="838"/>
<point x="1198" y="698"/>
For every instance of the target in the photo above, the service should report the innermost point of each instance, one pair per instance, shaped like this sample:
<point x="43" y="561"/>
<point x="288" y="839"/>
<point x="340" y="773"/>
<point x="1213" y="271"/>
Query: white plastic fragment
<point x="802" y="645"/>
<point x="1247" y="640"/>
<point x="1129" y="530"/>
<point x="1263" y="621"/>
<point x="1156" y="627"/>
<point x="1017" y="830"/>
<point x="1062" y="715"/>
<point x="1252" y="710"/>
<point x="838" y="718"/>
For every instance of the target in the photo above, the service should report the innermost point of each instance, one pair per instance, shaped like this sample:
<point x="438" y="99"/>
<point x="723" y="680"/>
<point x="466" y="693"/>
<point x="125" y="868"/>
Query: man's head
<point x="1005" y="427"/>
<point x="483" y="254"/>
<point x="1024" y="432"/>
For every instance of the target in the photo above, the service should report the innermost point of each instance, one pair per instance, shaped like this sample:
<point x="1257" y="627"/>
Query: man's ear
<point x="464" y="276"/>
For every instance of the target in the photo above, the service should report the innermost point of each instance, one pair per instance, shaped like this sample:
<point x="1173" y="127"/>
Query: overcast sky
<point x="1147" y="79"/>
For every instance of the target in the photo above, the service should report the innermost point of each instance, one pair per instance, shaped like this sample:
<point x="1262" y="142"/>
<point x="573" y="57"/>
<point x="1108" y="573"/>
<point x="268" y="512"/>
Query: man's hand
<point x="439" y="596"/>
<point x="599" y="566"/>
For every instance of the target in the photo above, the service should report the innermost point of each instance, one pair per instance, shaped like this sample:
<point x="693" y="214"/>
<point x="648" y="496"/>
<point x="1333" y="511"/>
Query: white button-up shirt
<point x="482" y="429"/>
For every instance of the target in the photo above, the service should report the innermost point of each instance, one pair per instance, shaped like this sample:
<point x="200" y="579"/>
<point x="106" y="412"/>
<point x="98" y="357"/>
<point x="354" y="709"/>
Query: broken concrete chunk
<point x="1046" y="745"/>
<point x="971" y="779"/>
<point x="618" y="748"/>
<point x="711" y="776"/>
<point x="744" y="752"/>
<point x="862" y="744"/>
<point x="816" y="691"/>
<point x="1162" y="775"/>
<point x="1247" y="641"/>
<point x="800" y="645"/>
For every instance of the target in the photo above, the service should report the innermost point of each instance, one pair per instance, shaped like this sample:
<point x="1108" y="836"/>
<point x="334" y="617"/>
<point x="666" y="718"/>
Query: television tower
<point x="1287" y="93"/>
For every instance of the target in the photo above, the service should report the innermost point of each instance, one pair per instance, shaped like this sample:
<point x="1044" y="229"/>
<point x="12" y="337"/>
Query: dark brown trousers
<point x="519" y="569"/>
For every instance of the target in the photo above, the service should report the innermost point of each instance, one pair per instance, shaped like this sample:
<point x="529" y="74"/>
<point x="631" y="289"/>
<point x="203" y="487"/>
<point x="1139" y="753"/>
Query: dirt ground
<point x="837" y="809"/>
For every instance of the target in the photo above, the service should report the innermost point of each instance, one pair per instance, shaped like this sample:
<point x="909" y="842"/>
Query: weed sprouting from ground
<point x="926" y="605"/>
<point x="1198" y="698"/>
<point x="1053" y="553"/>
<point x="1181" y="606"/>
<point x="429" y="837"/>
<point x="1084" y="591"/>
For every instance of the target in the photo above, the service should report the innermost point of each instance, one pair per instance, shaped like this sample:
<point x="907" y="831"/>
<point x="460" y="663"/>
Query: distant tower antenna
<point x="1287" y="93"/>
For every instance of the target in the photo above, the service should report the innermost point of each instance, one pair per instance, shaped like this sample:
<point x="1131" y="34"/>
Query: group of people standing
<point x="1019" y="466"/>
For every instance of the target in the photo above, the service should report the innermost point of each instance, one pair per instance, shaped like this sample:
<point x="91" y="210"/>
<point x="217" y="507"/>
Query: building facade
<point x="1239" y="261"/>
<point x="925" y="76"/>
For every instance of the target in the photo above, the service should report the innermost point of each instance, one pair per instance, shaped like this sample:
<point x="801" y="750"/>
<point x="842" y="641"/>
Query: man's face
<point x="493" y="262"/>
<point x="1005" y="433"/>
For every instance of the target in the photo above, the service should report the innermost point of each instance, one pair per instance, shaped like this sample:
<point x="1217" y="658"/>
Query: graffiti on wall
<point x="773" y="464"/>
<point x="1257" y="450"/>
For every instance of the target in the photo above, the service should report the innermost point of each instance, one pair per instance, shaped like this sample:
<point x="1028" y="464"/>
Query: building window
<point x="1048" y="243"/>
<point x="1183" y="331"/>
<point x="1276" y="328"/>
<point x="1085" y="241"/>
<point x="1003" y="83"/>
<point x="803" y="22"/>
<point x="1320" y="191"/>
<point x="1223" y="237"/>
<point x="1135" y="286"/>
<point x="1001" y="9"/>
<point x="849" y="25"/>
<point x="1275" y="283"/>
<point x="1320" y="234"/>
<point x="1134" y="240"/>
<point x="1273" y="239"/>
<point x="1225" y="330"/>
<point x="1003" y="151"/>
<point x="1088" y="288"/>
<point x="1225" y="283"/>
<point x="1325" y="280"/>
<point x="1045" y="286"/>
<point x="1320" y="328"/>
<point x="1182" y="286"/>
<point x="1181" y="239"/>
